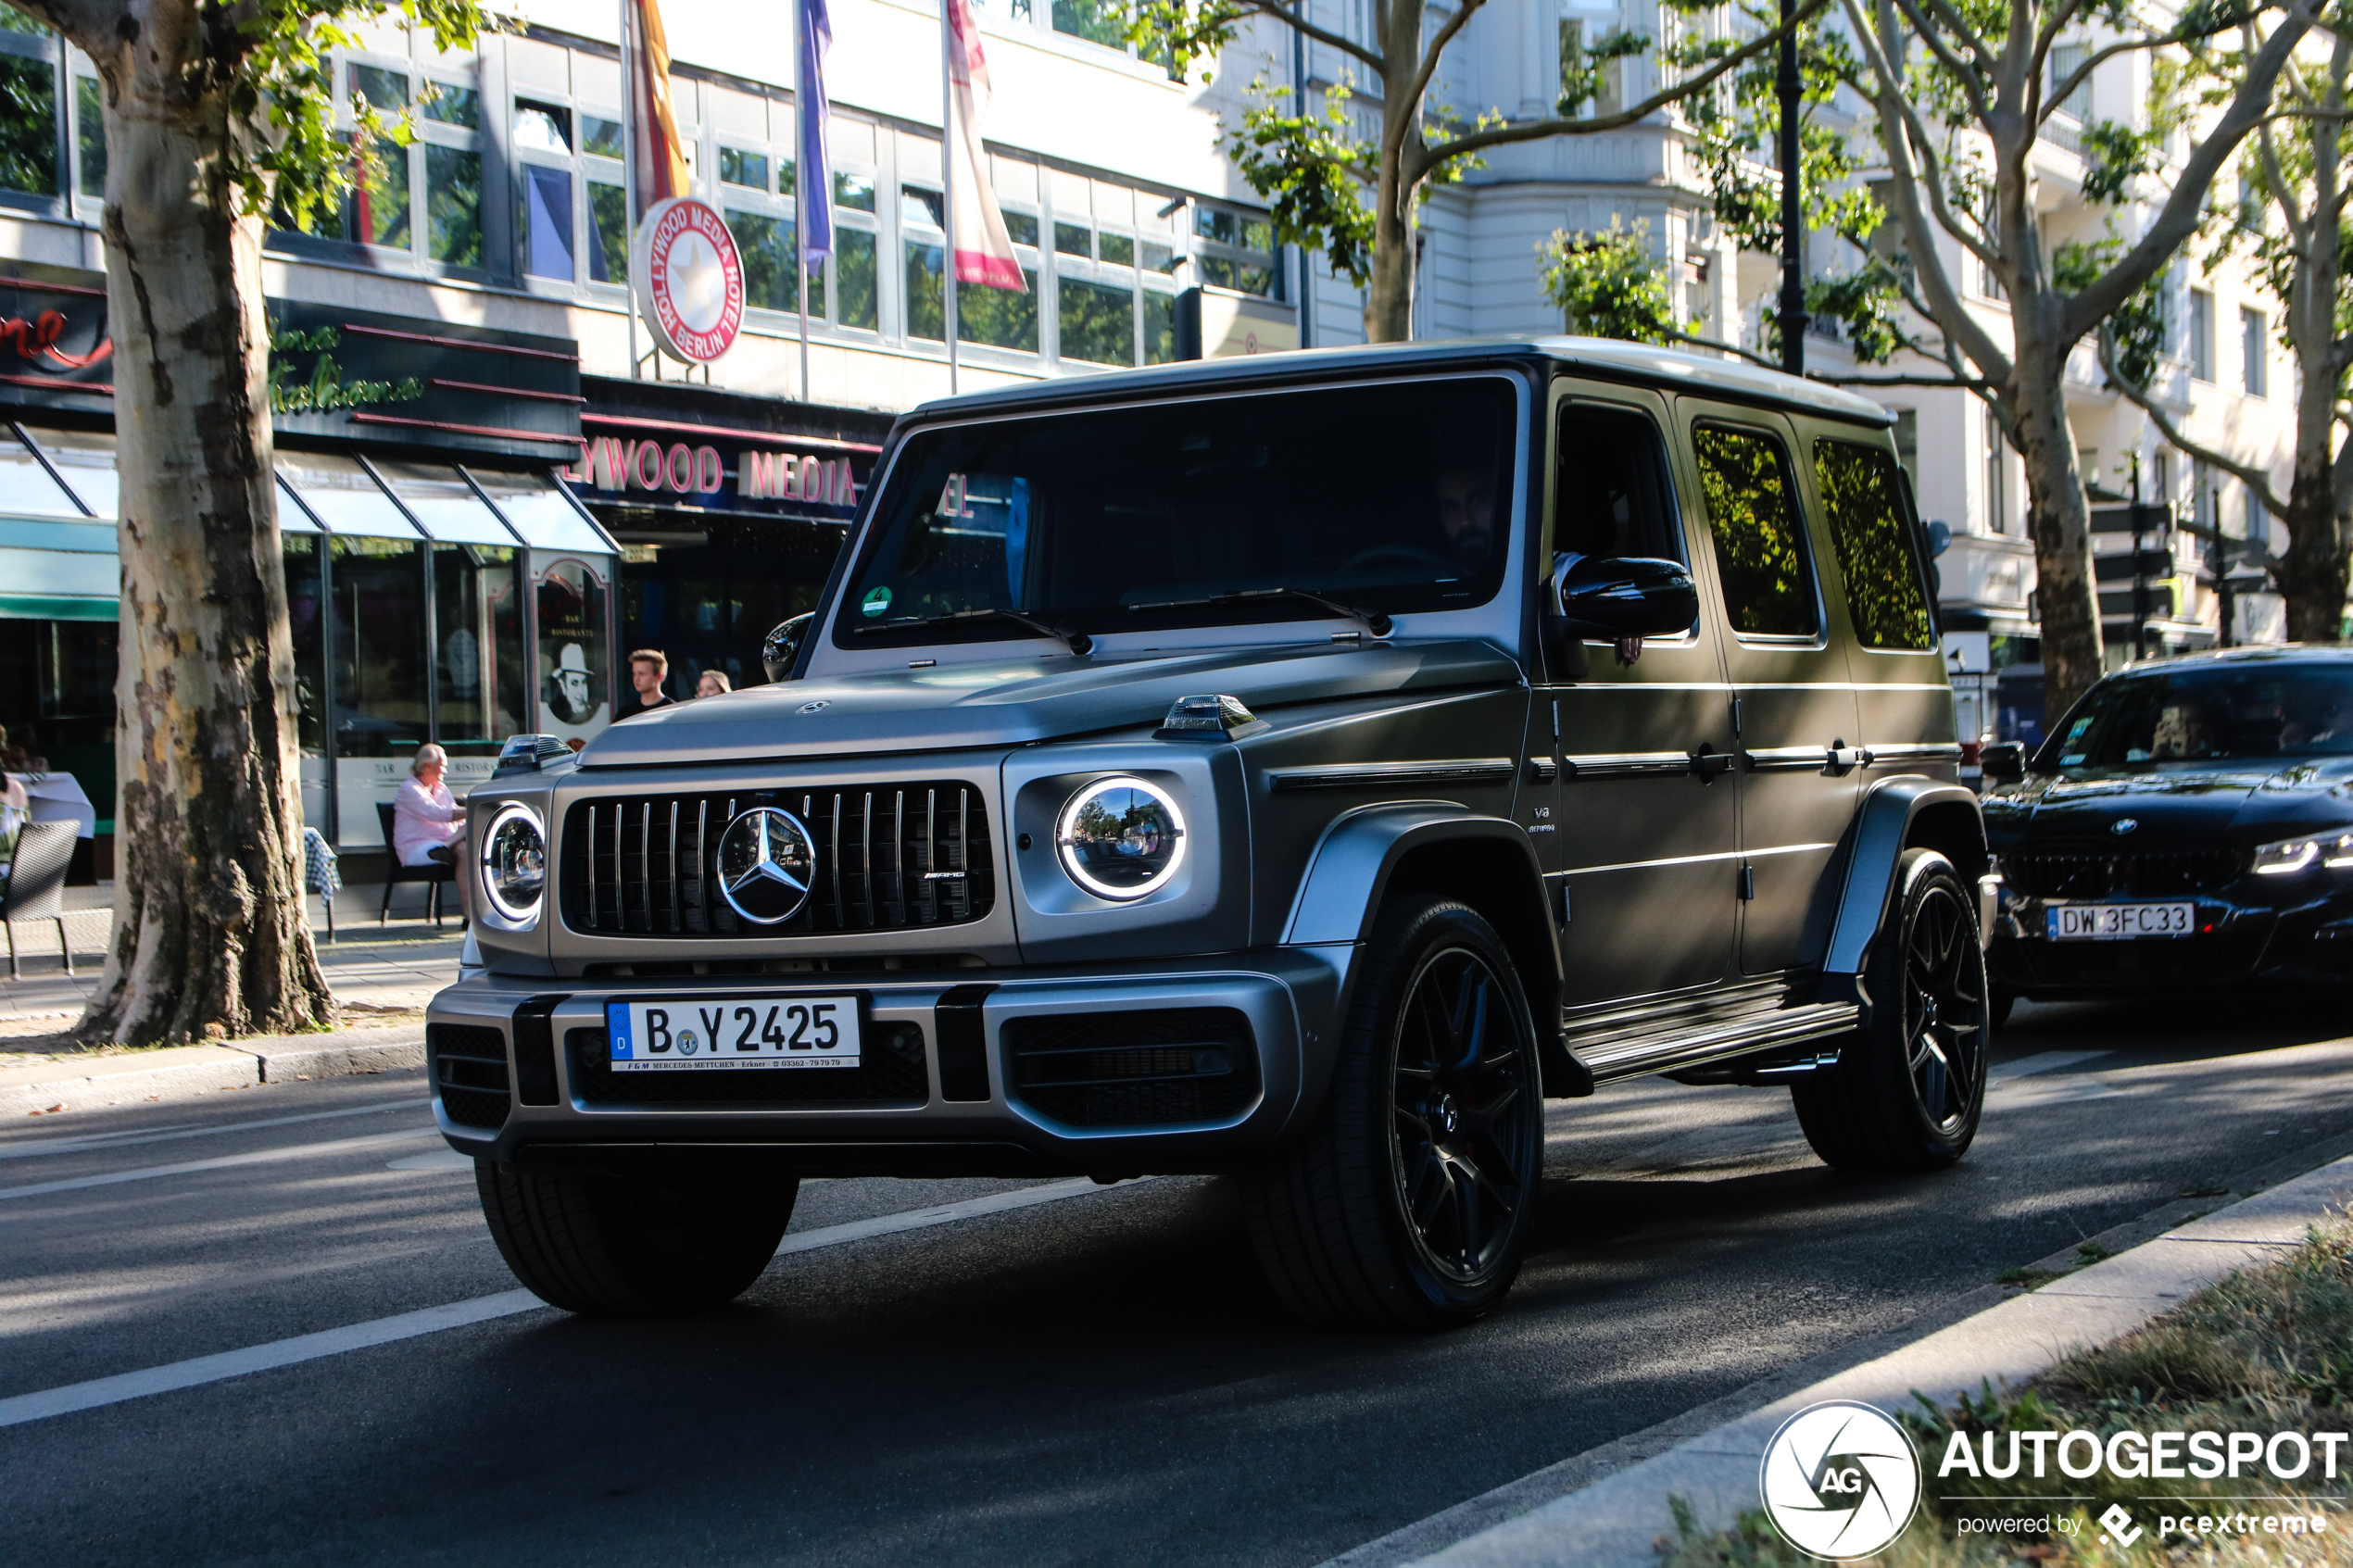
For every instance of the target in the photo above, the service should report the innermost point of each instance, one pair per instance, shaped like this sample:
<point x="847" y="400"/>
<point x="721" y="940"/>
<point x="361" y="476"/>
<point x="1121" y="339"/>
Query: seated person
<point x="2180" y="734"/>
<point x="426" y="819"/>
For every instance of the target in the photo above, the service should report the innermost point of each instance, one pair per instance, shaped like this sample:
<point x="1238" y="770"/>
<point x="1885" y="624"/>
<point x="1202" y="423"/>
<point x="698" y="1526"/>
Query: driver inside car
<point x="1467" y="515"/>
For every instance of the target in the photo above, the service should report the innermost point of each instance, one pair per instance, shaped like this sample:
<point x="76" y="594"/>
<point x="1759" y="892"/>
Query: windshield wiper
<point x="1373" y="620"/>
<point x="1079" y="642"/>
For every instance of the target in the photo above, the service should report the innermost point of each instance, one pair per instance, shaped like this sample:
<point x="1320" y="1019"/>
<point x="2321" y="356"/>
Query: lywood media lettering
<point x="2132" y="1455"/>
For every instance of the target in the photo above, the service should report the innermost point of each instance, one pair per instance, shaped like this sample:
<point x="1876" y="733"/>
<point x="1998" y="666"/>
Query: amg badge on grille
<point x="766" y="863"/>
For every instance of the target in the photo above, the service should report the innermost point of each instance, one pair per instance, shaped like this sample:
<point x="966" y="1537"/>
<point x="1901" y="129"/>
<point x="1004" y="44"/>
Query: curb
<point x="181" y="1072"/>
<point x="1614" y="1522"/>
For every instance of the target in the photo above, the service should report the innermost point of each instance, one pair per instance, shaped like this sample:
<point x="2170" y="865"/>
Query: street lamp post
<point x="1793" y="249"/>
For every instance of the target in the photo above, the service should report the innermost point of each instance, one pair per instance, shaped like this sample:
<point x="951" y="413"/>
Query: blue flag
<point x="816" y="180"/>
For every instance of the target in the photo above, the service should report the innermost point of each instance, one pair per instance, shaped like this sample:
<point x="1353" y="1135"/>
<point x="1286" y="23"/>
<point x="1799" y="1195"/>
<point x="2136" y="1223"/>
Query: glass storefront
<point x="426" y="600"/>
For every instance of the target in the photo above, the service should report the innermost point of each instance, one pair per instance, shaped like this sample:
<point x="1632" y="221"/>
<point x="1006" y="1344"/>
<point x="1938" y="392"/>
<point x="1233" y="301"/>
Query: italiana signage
<point x="392" y="380"/>
<point x="690" y="280"/>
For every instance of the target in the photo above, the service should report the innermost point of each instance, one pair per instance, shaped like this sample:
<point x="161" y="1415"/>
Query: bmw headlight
<point x="2289" y="856"/>
<point x="514" y="863"/>
<point x="1120" y="838"/>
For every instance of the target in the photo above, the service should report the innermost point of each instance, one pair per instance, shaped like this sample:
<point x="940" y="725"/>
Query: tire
<point x="610" y="1245"/>
<point x="1910" y="1084"/>
<point x="1409" y="1201"/>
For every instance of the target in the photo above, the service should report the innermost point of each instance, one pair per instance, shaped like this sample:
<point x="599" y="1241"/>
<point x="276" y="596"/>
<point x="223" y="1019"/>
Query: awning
<point x="58" y="558"/>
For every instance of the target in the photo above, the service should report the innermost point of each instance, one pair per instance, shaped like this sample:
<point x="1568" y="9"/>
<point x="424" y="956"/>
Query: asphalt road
<point x="1099" y="1380"/>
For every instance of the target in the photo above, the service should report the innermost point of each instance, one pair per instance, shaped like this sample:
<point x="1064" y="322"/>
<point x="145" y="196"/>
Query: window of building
<point x="89" y="136"/>
<point x="29" y="87"/>
<point x="1885" y="593"/>
<point x="1579" y="96"/>
<point x="1760" y="537"/>
<point x="2253" y="353"/>
<point x="1236" y="250"/>
<point x="1997" y="508"/>
<point x="2202" y="333"/>
<point x="2066" y="61"/>
<point x="999" y="317"/>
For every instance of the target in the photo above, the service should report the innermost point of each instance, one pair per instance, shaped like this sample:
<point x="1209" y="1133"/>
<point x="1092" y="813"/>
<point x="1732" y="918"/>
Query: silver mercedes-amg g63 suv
<point x="1299" y="768"/>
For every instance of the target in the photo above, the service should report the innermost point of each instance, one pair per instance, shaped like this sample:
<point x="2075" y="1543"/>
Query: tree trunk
<point x="211" y="938"/>
<point x="2059" y="519"/>
<point x="2312" y="574"/>
<point x="2320" y="534"/>
<point x="1388" y="303"/>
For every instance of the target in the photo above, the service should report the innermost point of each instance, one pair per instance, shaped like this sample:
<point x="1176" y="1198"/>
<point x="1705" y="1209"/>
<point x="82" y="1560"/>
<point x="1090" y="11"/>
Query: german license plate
<point x="766" y="1032"/>
<point x="2117" y="922"/>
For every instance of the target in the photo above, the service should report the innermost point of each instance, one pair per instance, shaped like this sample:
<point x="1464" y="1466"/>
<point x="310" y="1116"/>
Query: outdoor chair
<point x="436" y="874"/>
<point x="319" y="875"/>
<point x="35" y="888"/>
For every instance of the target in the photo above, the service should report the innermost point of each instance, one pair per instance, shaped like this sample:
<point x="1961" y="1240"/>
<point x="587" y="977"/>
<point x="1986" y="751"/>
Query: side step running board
<point x="1626" y="1058"/>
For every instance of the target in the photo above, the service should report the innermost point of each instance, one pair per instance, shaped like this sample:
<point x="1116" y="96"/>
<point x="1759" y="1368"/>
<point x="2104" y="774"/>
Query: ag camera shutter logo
<point x="1840" y="1480"/>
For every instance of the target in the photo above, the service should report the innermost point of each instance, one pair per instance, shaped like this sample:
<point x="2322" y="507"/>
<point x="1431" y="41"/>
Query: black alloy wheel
<point x="1909" y="1086"/>
<point x="1458" y="1147"/>
<point x="1945" y="1012"/>
<point x="1408" y="1202"/>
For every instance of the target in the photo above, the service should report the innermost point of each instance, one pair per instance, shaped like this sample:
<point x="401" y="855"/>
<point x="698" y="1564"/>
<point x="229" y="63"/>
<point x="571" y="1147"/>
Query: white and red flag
<point x="983" y="250"/>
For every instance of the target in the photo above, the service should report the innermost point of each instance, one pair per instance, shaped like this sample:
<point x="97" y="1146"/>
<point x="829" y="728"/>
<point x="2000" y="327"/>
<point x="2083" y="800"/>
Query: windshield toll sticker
<point x="876" y="602"/>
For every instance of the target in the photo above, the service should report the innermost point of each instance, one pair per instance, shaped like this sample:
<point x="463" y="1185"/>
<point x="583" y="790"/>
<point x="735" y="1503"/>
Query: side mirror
<point x="1624" y="597"/>
<point x="781" y="648"/>
<point x="2005" y="760"/>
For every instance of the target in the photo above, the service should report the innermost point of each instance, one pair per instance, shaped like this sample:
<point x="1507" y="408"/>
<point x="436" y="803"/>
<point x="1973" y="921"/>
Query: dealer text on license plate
<point x="2117" y="922"/>
<point x="766" y="1032"/>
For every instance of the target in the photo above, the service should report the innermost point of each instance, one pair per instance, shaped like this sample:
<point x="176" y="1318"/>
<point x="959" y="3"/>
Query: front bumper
<point x="1187" y="1066"/>
<point x="2245" y="931"/>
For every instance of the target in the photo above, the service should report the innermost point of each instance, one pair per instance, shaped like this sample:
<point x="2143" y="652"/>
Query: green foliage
<point x="1181" y="32"/>
<point x="1314" y="170"/>
<point x="284" y="85"/>
<point x="1609" y="284"/>
<point x="1582" y="78"/>
<point x="2138" y="325"/>
<point x="28" y="126"/>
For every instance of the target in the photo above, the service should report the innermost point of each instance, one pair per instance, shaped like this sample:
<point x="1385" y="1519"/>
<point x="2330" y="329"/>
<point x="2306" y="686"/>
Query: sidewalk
<point x="1607" y="1509"/>
<point x="390" y="971"/>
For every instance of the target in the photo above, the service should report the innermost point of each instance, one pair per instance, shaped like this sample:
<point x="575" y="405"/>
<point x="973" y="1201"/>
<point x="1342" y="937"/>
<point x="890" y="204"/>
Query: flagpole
<point x="800" y="200"/>
<point x="948" y="186"/>
<point x="629" y="185"/>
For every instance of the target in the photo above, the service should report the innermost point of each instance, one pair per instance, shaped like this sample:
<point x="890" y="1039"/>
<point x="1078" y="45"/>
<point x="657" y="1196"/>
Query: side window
<point x="1760" y="537"/>
<point x="1609" y="493"/>
<point x="1883" y="589"/>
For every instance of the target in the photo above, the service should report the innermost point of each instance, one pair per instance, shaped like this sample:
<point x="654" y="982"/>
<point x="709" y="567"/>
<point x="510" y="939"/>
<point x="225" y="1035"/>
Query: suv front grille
<point x="1132" y="1069"/>
<point x="470" y="1073"/>
<point x="888" y="856"/>
<point x="2068" y="872"/>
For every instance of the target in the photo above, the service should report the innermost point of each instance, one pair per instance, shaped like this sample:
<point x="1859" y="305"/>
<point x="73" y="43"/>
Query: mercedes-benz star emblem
<point x="766" y="863"/>
<point x="2123" y="824"/>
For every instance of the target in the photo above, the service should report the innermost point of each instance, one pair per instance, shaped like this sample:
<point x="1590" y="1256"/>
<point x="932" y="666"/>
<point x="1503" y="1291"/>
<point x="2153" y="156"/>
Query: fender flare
<point x="1348" y="879"/>
<point x="1886" y="826"/>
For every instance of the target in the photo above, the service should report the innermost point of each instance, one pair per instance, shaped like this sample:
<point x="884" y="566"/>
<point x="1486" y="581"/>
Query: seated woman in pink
<point x="426" y="819"/>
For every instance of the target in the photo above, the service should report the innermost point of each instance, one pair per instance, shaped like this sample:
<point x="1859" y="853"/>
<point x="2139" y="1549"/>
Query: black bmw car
<point x="2188" y="823"/>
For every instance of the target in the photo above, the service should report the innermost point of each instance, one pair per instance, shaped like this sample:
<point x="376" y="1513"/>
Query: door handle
<point x="1840" y="757"/>
<point x="1707" y="764"/>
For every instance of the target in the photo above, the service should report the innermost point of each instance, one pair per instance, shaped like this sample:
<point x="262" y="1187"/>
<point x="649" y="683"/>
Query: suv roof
<point x="1668" y="368"/>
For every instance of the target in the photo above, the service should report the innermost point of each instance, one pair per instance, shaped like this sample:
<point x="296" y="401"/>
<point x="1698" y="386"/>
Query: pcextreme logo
<point x="1840" y="1480"/>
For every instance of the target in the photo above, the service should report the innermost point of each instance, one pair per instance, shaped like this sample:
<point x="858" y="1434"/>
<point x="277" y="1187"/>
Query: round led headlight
<point x="514" y="863"/>
<point x="1121" y="838"/>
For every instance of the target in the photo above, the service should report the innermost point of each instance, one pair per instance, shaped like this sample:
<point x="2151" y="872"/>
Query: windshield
<point x="1383" y="499"/>
<point x="2217" y="714"/>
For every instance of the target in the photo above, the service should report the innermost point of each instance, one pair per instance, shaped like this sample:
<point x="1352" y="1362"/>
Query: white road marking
<point x="2041" y="1061"/>
<point x="165" y="1379"/>
<point x="440" y="1160"/>
<point x="223" y="1162"/>
<point x="40" y="1147"/>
